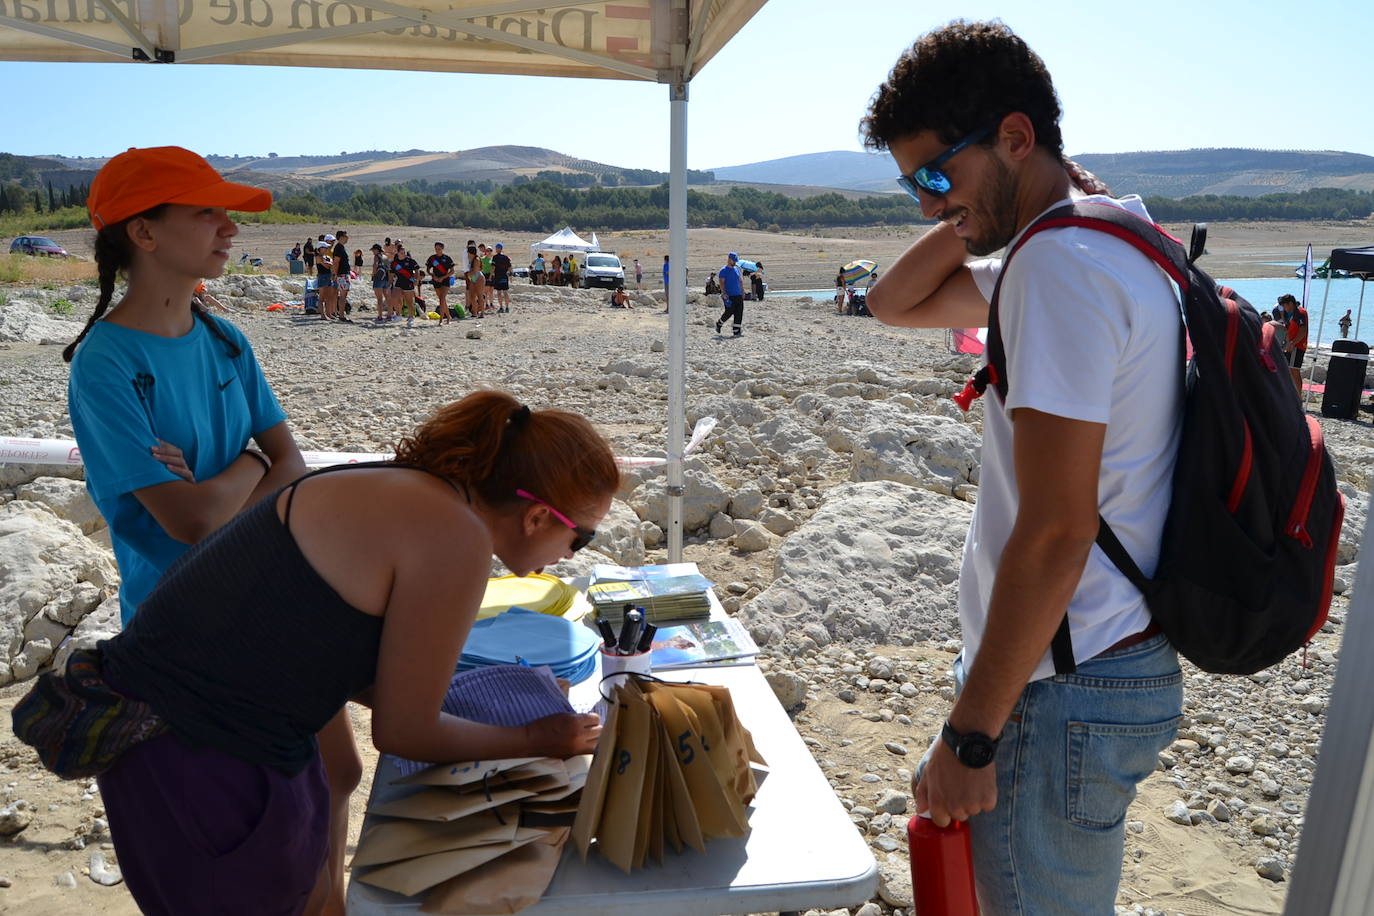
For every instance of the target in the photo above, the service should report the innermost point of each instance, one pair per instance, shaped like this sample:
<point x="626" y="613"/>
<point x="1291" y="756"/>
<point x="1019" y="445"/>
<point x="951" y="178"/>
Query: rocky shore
<point x="829" y="505"/>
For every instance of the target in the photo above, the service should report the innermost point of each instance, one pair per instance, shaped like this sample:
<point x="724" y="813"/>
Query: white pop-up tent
<point x="663" y="41"/>
<point x="565" y="240"/>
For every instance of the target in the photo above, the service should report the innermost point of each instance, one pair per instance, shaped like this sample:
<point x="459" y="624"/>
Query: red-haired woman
<point x="263" y="631"/>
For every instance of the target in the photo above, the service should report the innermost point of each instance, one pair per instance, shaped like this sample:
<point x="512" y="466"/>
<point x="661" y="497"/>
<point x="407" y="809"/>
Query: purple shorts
<point x="200" y="831"/>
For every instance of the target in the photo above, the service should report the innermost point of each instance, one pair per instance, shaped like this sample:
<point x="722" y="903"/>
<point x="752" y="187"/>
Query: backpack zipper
<point x="1297" y="520"/>
<point x="1329" y="573"/>
<point x="1243" y="472"/>
<point x="1232" y="326"/>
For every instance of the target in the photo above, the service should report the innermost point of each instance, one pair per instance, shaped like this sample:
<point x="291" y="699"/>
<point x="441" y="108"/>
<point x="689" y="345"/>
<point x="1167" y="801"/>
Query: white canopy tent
<point x="663" y="41"/>
<point x="565" y="240"/>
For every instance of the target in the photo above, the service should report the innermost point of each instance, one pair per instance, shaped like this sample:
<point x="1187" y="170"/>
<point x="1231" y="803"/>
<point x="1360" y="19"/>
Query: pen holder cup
<point x="613" y="665"/>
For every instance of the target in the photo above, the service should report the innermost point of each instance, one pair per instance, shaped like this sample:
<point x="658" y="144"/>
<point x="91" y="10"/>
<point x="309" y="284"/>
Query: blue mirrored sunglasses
<point x="929" y="177"/>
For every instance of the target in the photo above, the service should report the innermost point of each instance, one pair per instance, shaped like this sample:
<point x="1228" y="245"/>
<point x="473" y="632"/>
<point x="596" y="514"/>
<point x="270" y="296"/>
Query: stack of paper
<point x="669" y="591"/>
<point x="522" y="637"/>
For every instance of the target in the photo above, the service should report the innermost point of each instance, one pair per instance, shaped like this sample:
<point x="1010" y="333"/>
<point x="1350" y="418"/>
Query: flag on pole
<point x="1307" y="276"/>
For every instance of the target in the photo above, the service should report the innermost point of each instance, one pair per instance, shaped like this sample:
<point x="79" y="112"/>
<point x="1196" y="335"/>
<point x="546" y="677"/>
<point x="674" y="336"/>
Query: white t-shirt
<point x="1092" y="332"/>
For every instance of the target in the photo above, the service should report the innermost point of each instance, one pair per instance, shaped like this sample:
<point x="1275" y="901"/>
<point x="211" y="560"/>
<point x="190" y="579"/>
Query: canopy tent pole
<point x="677" y="310"/>
<point x="1331" y="876"/>
<point x="1316" y="347"/>
<point x="1359" y="309"/>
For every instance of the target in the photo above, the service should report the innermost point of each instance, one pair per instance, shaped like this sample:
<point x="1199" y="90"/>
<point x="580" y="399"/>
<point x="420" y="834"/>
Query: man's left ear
<point x="1016" y="135"/>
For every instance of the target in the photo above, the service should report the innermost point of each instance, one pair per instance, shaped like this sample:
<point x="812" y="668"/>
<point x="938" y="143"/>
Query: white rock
<point x="877" y="560"/>
<point x="788" y="688"/>
<point x="618" y="536"/>
<point x="102" y="872"/>
<point x="747" y="502"/>
<point x="751" y="537"/>
<point x="66" y="498"/>
<point x="51" y="576"/>
<point x="23" y="320"/>
<point x="704" y="497"/>
<point x="777" y="521"/>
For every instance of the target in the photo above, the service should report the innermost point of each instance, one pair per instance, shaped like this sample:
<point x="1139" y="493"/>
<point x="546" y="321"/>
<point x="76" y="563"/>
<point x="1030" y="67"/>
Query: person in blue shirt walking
<point x="167" y="401"/>
<point x="732" y="294"/>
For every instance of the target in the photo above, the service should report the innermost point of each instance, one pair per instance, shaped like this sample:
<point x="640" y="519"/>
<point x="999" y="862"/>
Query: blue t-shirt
<point x="128" y="389"/>
<point x="665" y="273"/>
<point x="730" y="282"/>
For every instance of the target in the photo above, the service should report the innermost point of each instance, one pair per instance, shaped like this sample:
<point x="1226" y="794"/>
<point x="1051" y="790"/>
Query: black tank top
<point x="242" y="647"/>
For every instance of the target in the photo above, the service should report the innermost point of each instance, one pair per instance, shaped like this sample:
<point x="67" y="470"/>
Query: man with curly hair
<point x="1042" y="765"/>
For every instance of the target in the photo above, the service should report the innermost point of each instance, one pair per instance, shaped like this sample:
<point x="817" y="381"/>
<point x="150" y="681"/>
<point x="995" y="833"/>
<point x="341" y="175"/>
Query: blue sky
<point x="796" y="79"/>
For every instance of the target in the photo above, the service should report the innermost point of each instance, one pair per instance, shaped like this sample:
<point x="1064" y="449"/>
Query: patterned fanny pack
<point x="78" y="723"/>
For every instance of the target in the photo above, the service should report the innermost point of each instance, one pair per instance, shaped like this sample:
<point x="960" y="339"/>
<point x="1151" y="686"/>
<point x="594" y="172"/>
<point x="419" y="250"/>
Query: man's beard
<point x="996" y="209"/>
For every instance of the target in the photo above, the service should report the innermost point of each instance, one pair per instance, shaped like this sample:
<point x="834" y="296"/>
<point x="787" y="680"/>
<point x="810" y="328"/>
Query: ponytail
<point x="493" y="445"/>
<point x="114" y="254"/>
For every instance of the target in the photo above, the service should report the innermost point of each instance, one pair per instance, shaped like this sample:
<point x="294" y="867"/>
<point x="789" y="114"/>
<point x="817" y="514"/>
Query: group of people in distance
<point x="396" y="278"/>
<point x="559" y="271"/>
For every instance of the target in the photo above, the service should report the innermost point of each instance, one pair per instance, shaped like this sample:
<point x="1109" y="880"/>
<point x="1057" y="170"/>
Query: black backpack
<point x="1249" y="546"/>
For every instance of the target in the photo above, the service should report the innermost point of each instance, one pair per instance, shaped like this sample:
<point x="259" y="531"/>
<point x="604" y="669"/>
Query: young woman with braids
<point x="167" y="401"/>
<point x="261" y="633"/>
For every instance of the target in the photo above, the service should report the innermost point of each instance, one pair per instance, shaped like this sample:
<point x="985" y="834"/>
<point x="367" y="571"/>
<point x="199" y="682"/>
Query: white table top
<point x="801" y="852"/>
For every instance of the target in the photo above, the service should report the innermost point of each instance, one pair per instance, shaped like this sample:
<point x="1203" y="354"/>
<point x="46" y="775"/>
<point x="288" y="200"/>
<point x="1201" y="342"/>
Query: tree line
<point x="544" y="206"/>
<point x="1317" y="203"/>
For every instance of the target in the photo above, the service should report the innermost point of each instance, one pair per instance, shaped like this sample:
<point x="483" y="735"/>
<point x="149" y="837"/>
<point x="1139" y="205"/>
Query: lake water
<point x="1261" y="292"/>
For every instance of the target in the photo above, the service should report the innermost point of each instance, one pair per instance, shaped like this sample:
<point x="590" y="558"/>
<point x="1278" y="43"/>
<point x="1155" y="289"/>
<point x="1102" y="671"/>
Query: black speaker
<point x="1345" y="379"/>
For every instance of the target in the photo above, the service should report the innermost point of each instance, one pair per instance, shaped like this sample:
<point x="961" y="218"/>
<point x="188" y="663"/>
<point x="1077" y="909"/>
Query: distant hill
<point x="498" y="164"/>
<point x="834" y="169"/>
<point x="1176" y="173"/>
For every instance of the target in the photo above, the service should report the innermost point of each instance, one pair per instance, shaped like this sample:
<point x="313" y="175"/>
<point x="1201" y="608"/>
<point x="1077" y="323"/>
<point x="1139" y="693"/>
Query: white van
<point x="600" y="268"/>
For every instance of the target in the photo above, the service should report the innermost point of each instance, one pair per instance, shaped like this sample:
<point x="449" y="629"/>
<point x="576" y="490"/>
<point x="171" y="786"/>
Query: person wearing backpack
<point x="1090" y="424"/>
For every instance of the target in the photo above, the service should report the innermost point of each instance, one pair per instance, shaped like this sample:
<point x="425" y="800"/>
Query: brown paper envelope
<point x="650" y="816"/>
<point x="411" y="876"/>
<point x="462" y="774"/>
<point x="563" y="806"/>
<point x="671" y="836"/>
<point x="554" y="782"/>
<point x="735" y="738"/>
<point x="594" y="794"/>
<point x="391" y="841"/>
<point x="445" y="804"/>
<point x="505" y="885"/>
<point x="543" y="768"/>
<point x="625" y="791"/>
<point x="713" y="805"/>
<point x="658" y="819"/>
<point x="713" y="737"/>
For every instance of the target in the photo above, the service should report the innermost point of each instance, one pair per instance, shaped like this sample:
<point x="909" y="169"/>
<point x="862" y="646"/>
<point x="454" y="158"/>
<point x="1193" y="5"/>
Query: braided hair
<point x="114" y="254"/>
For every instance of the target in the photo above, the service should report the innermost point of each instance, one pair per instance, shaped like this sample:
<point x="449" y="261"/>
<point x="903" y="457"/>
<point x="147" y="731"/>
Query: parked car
<point x="36" y="245"/>
<point x="601" y="268"/>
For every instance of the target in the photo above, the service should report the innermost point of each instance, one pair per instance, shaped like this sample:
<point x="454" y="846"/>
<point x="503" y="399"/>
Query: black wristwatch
<point x="974" y="750"/>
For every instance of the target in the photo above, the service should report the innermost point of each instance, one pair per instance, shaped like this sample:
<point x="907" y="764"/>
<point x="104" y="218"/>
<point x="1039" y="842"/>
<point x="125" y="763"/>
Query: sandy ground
<point x="1180" y="870"/>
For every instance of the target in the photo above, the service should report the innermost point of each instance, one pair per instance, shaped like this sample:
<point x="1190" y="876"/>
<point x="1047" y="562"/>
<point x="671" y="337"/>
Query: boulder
<point x="923" y="450"/>
<point x="101" y="623"/>
<point x="618" y="536"/>
<point x="781" y="436"/>
<point x="51" y="576"/>
<point x="751" y="537"/>
<point x="878" y="560"/>
<point x="748" y="502"/>
<point x="66" y="498"/>
<point x="1352" y="529"/>
<point x="704" y="497"/>
<point x="27" y="321"/>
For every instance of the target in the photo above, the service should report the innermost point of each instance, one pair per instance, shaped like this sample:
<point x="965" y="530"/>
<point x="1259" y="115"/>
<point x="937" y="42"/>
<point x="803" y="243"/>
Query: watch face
<point x="976" y="751"/>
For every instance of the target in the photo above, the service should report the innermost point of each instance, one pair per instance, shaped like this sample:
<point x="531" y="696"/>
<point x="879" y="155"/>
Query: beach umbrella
<point x="855" y="271"/>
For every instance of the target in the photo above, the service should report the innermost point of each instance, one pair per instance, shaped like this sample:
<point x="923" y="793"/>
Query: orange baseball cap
<point x="140" y="179"/>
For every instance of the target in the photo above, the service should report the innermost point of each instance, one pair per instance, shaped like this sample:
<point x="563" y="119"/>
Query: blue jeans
<point x="1071" y="755"/>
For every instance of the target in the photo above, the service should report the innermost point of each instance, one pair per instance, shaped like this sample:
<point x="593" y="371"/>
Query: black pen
<point x="647" y="639"/>
<point x="603" y="626"/>
<point x="629" y="631"/>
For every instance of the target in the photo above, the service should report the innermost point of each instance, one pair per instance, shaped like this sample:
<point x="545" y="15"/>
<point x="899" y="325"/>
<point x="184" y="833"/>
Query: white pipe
<point x="677" y="310"/>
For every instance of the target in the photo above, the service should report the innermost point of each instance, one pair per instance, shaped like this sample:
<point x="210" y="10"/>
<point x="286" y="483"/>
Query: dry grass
<point x="23" y="268"/>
